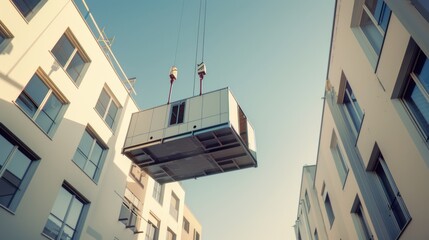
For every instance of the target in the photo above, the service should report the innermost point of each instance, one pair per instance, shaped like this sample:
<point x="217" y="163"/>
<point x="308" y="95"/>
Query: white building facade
<point x="65" y="107"/>
<point x="373" y="158"/>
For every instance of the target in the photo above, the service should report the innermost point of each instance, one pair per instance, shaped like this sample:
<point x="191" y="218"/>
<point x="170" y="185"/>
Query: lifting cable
<point x="200" y="68"/>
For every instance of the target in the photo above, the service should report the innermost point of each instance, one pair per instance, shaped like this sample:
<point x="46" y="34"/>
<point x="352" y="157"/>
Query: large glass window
<point x="15" y="164"/>
<point x="89" y="155"/>
<point x="177" y="113"/>
<point x="65" y="215"/>
<point x="329" y="210"/>
<point x="157" y="192"/>
<point x="174" y="206"/>
<point x="107" y="108"/>
<point x="26" y="6"/>
<point x="41" y="103"/>
<point x="374" y="21"/>
<point x="151" y="231"/>
<point x="129" y="214"/>
<point x="70" y="56"/>
<point x="170" y="234"/>
<point x="339" y="160"/>
<point x="186" y="224"/>
<point x="360" y="221"/>
<point x="416" y="94"/>
<point x="391" y="194"/>
<point x="353" y="111"/>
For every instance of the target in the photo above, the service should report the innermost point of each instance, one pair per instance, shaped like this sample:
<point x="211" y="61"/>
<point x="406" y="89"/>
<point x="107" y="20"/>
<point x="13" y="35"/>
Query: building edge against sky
<point x="65" y="109"/>
<point x="369" y="181"/>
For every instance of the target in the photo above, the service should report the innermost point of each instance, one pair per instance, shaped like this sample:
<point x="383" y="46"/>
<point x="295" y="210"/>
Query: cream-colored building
<point x="65" y="107"/>
<point x="373" y="158"/>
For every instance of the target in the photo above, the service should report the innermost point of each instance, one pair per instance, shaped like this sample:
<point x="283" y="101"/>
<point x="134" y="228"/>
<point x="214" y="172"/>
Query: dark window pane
<point x="422" y="70"/>
<point x="384" y="17"/>
<point x="173" y="117"/>
<point x="102" y="103"/>
<point x="2" y="37"/>
<point x="418" y="105"/>
<point x="36" y="89"/>
<point x="76" y="66"/>
<point x="79" y="158"/>
<point x="44" y="122"/>
<point x="26" y="104"/>
<point x="22" y="6"/>
<point x="8" y="187"/>
<point x="181" y="113"/>
<point x="97" y="152"/>
<point x="371" y="32"/>
<point x="111" y="115"/>
<point x="52" y="107"/>
<point x="5" y="149"/>
<point x="18" y="165"/>
<point x="63" y="50"/>
<point x="86" y="144"/>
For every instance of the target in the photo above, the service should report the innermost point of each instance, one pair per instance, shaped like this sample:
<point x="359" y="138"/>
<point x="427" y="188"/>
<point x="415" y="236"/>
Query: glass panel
<point x="113" y="109"/>
<point x="371" y="32"/>
<point x="181" y="112"/>
<point x="61" y="204"/>
<point x="67" y="233"/>
<point x="19" y="164"/>
<point x="74" y="213"/>
<point x="22" y="7"/>
<point x="97" y="152"/>
<point x="52" y="107"/>
<point x="36" y="89"/>
<point x="26" y="104"/>
<point x="86" y="143"/>
<point x="422" y="70"/>
<point x="76" y="66"/>
<point x="384" y="17"/>
<point x="2" y="37"/>
<point x="102" y="103"/>
<point x="79" y="158"/>
<point x="5" y="149"/>
<point x="8" y="187"/>
<point x="173" y="119"/>
<point x="44" y="122"/>
<point x="52" y="227"/>
<point x="90" y="169"/>
<point x="418" y="105"/>
<point x="63" y="50"/>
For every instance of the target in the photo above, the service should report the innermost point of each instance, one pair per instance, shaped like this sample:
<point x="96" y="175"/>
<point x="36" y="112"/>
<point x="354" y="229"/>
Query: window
<point x="42" y="103"/>
<point x="151" y="231"/>
<point x="329" y="210"/>
<point x="177" y="113"/>
<point x="307" y="200"/>
<point x="316" y="235"/>
<point x="416" y="93"/>
<point x="390" y="193"/>
<point x="157" y="192"/>
<point x="353" y="111"/>
<point x="65" y="215"/>
<point x="374" y="21"/>
<point x="138" y="174"/>
<point x="196" y="235"/>
<point x="5" y="34"/>
<point x="129" y="211"/>
<point x="90" y="154"/>
<point x="360" y="221"/>
<point x="186" y="224"/>
<point x="26" y="6"/>
<point x="174" y="206"/>
<point x="339" y="160"/>
<point x="107" y="108"/>
<point x="70" y="56"/>
<point x="17" y="165"/>
<point x="170" y="234"/>
<point x="423" y="7"/>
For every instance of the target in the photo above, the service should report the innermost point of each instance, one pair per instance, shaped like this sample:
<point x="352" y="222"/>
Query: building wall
<point x="30" y="50"/>
<point x="387" y="128"/>
<point x="195" y="228"/>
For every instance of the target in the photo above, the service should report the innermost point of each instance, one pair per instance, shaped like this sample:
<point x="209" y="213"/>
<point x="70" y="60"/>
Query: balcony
<point x="195" y="137"/>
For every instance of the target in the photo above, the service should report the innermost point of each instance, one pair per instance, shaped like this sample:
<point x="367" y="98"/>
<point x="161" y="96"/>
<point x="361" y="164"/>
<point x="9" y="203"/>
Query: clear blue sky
<point x="273" y="54"/>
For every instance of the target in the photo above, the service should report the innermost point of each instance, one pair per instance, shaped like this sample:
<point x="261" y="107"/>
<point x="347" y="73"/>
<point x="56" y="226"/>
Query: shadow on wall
<point x="102" y="213"/>
<point x="11" y="81"/>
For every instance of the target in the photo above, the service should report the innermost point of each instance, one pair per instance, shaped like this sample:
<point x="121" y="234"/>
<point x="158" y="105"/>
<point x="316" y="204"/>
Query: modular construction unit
<point x="190" y="138"/>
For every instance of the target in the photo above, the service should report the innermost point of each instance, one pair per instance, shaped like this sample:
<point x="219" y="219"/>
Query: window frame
<point x="32" y="12"/>
<point x="112" y="100"/>
<point x="52" y="90"/>
<point x="186" y="224"/>
<point x="180" y="116"/>
<point x="361" y="223"/>
<point x="130" y="208"/>
<point x="18" y="145"/>
<point x="347" y="93"/>
<point x="173" y="234"/>
<point x="82" y="215"/>
<point x="149" y="228"/>
<point x="6" y="35"/>
<point x="359" y="10"/>
<point x="339" y="159"/>
<point x="174" y="210"/>
<point x="95" y="140"/>
<point x="329" y="210"/>
<point x="78" y="50"/>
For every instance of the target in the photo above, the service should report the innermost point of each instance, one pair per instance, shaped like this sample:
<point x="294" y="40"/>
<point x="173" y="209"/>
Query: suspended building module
<point x="194" y="137"/>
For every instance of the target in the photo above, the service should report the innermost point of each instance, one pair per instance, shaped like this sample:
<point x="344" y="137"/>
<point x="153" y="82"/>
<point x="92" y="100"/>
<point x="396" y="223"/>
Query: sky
<point x="273" y="54"/>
